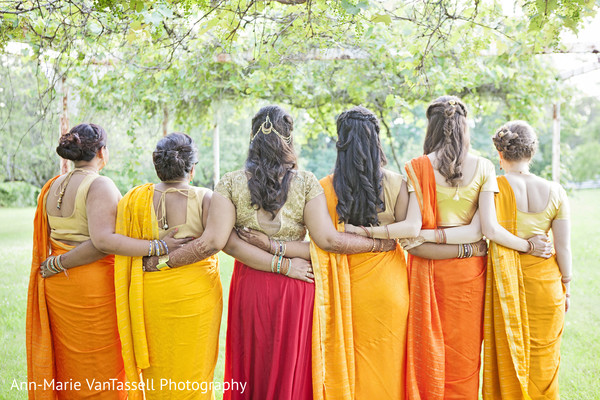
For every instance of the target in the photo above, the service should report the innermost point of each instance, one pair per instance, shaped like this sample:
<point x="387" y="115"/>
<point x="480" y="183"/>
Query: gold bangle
<point x="366" y="231"/>
<point x="373" y="247"/>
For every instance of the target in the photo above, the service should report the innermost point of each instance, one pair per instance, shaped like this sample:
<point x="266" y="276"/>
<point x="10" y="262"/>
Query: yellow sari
<point x="168" y="320"/>
<point x="524" y="316"/>
<point x="359" y="322"/>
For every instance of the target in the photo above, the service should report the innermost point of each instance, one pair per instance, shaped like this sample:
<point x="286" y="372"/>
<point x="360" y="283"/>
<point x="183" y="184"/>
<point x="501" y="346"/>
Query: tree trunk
<point x="64" y="122"/>
<point x="165" y="123"/>
<point x="556" y="143"/>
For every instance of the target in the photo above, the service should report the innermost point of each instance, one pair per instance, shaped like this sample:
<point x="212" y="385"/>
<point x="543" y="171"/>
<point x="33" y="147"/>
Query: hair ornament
<point x="267" y="127"/>
<point x="452" y="102"/>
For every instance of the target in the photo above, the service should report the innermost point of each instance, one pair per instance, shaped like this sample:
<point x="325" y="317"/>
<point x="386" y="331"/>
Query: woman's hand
<point x="542" y="246"/>
<point x="388" y="244"/>
<point x="255" y="238"/>
<point x="46" y="272"/>
<point x="174" y="244"/>
<point x="357" y="230"/>
<point x="480" y="248"/>
<point x="150" y="263"/>
<point x="301" y="269"/>
<point x="411" y="243"/>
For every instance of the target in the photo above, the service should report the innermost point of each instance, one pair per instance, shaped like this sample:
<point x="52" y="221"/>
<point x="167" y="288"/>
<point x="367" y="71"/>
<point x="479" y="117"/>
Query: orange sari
<point x="71" y="332"/>
<point x="359" y="320"/>
<point x="445" y="318"/>
<point x="524" y="316"/>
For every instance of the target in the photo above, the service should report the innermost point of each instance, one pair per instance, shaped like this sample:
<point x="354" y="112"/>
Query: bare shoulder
<point x="104" y="187"/>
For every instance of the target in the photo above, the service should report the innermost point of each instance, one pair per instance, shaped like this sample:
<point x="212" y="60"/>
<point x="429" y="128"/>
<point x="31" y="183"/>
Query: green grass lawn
<point x="580" y="368"/>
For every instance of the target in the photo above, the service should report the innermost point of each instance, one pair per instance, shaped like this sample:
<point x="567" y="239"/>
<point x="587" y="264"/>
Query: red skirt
<point x="269" y="328"/>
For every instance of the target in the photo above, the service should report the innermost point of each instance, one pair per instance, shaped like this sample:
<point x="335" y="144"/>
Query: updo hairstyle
<point x="82" y="142"/>
<point x="516" y="140"/>
<point x="175" y="156"/>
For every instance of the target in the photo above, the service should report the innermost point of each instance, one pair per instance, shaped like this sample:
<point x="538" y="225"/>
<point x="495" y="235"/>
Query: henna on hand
<point x="196" y="250"/>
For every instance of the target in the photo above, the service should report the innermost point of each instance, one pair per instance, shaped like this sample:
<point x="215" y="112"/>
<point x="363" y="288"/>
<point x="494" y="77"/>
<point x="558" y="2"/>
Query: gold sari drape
<point x="524" y="316"/>
<point x="168" y="320"/>
<point x="359" y="323"/>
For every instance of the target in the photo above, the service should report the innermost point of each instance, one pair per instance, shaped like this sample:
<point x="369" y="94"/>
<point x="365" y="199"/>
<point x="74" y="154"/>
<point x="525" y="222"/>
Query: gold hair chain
<point x="267" y="127"/>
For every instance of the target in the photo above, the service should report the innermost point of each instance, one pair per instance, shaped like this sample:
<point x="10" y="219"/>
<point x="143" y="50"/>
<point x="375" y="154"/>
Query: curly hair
<point x="516" y="140"/>
<point x="271" y="159"/>
<point x="82" y="142"/>
<point x="358" y="175"/>
<point x="447" y="133"/>
<point x="175" y="156"/>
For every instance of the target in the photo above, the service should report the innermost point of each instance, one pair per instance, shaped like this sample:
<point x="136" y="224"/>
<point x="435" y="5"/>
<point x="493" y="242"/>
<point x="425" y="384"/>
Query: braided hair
<point x="271" y="158"/>
<point x="358" y="176"/>
<point x="516" y="140"/>
<point x="447" y="133"/>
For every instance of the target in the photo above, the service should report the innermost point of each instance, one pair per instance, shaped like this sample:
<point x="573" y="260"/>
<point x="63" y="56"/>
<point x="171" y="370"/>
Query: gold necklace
<point x="65" y="182"/>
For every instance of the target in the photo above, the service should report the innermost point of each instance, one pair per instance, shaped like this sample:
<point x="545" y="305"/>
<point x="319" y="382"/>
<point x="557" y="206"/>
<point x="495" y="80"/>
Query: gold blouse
<point x="457" y="205"/>
<point x="193" y="226"/>
<point x="288" y="223"/>
<point x="392" y="183"/>
<point x="74" y="227"/>
<point x="531" y="224"/>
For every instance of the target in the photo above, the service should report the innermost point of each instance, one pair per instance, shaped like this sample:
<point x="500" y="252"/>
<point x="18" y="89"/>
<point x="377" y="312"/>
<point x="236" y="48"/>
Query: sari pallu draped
<point x="71" y="332"/>
<point x="359" y="324"/>
<point x="168" y="320"/>
<point x="524" y="316"/>
<point x="445" y="319"/>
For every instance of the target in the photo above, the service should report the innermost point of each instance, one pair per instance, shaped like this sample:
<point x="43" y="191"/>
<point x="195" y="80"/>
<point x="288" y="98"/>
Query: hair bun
<point x="449" y="110"/>
<point x="516" y="140"/>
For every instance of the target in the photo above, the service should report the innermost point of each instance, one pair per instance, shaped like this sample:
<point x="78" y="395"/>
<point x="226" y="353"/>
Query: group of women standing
<point x="344" y="316"/>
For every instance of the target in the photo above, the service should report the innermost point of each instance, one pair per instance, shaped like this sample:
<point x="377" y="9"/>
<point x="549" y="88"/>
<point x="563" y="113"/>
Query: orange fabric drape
<point x="71" y="329"/>
<point x="524" y="314"/>
<point x="359" y="323"/>
<point x="446" y="311"/>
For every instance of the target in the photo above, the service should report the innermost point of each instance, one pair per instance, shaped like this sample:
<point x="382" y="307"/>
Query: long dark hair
<point x="447" y="133"/>
<point x="271" y="158"/>
<point x="358" y="176"/>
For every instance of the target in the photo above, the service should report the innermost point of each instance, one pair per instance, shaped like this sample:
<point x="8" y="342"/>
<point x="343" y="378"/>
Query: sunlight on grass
<point x="579" y="374"/>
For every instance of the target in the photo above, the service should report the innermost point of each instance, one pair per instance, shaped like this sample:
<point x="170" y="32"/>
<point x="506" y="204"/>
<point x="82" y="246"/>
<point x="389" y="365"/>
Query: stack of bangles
<point x="465" y="250"/>
<point x="158" y="248"/>
<point x="279" y="265"/>
<point x="277" y="247"/>
<point x="55" y="265"/>
<point x="440" y="236"/>
<point x="377" y="244"/>
<point x="531" y="246"/>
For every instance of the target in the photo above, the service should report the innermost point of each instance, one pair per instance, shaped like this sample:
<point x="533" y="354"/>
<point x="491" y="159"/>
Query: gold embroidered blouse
<point x="288" y="223"/>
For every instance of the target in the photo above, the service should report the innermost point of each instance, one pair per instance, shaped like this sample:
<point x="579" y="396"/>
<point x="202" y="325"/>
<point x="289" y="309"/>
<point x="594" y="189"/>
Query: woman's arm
<point x="295" y="248"/>
<point x="322" y="231"/>
<point x="219" y="224"/>
<point x="461" y="234"/>
<point x="409" y="227"/>
<point x="496" y="233"/>
<point x="561" y="232"/>
<point x="434" y="251"/>
<point x="263" y="261"/>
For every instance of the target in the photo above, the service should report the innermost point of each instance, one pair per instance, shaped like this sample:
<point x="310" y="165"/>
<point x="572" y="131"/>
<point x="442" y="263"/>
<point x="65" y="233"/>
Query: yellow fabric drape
<point x="359" y="323"/>
<point x="148" y="306"/>
<point x="524" y="315"/>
